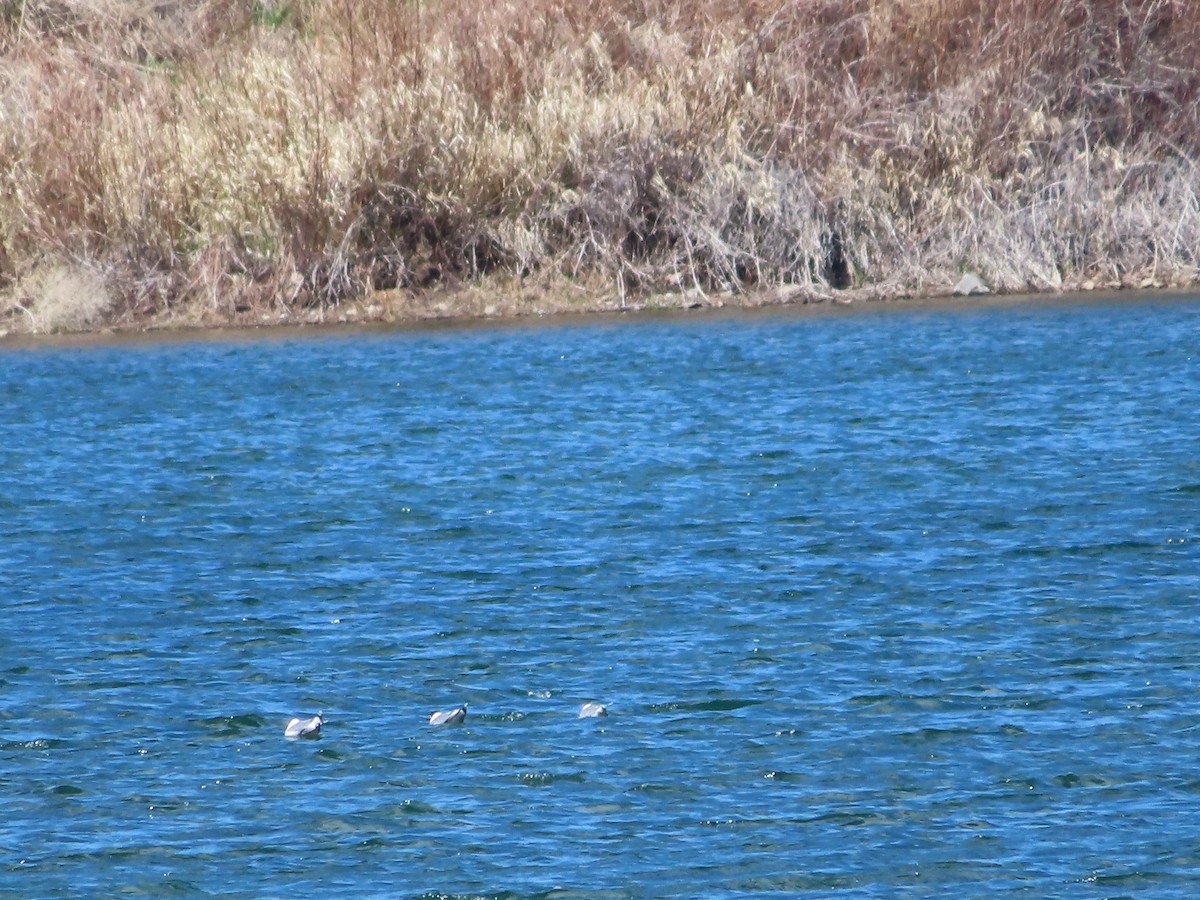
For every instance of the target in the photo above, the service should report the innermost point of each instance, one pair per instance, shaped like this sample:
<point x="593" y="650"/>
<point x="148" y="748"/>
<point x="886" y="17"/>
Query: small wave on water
<point x="233" y="726"/>
<point x="36" y="744"/>
<point x="725" y="704"/>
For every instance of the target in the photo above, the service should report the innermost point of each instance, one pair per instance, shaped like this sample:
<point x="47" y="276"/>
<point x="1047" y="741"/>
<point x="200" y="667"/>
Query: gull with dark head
<point x="449" y="716"/>
<point x="306" y="728"/>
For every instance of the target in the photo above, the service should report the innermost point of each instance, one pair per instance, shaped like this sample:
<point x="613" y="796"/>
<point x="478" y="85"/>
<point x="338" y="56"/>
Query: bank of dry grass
<point x="240" y="160"/>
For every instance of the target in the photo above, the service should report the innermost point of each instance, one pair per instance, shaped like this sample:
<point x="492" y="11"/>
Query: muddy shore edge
<point x="477" y="308"/>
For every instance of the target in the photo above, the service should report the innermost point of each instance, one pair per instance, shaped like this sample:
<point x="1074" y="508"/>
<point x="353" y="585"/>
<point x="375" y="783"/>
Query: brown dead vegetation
<point x="219" y="161"/>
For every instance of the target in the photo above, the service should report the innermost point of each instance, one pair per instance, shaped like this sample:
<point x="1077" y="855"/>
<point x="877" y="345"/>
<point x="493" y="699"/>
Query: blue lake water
<point x="900" y="604"/>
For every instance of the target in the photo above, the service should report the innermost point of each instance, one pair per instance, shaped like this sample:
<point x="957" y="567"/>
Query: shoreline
<point x="765" y="304"/>
<point x="219" y="166"/>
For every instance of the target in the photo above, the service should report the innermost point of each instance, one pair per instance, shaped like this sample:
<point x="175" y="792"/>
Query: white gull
<point x="304" y="727"/>
<point x="448" y="716"/>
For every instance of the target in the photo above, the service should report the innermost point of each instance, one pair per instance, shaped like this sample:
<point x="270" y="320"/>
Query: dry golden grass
<point x="236" y="160"/>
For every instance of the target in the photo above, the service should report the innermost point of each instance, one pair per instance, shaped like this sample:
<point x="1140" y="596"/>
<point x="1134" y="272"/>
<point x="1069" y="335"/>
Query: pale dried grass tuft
<point x="62" y="298"/>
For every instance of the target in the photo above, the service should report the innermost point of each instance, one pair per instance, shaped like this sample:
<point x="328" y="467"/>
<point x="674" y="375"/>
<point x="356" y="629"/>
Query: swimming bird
<point x="449" y="716"/>
<point x="298" y="728"/>
<point x="592" y="710"/>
